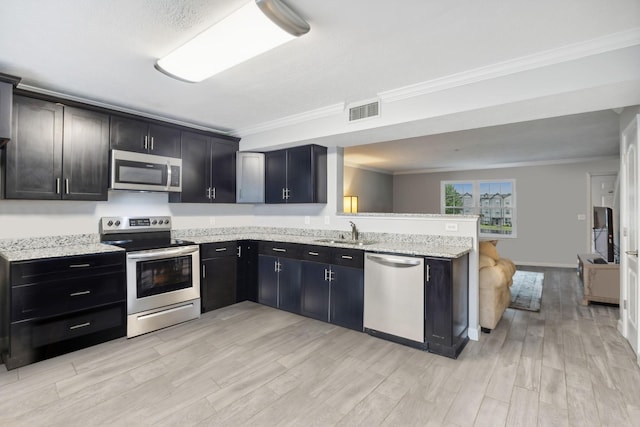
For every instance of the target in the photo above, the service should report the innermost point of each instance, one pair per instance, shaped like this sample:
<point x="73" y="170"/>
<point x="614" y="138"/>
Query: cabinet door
<point x="299" y="175"/>
<point x="34" y="154"/>
<point x="315" y="290"/>
<point x="223" y="171"/>
<point x="268" y="280"/>
<point x="85" y="161"/>
<point x="289" y="284"/>
<point x="129" y="134"/>
<point x="275" y="164"/>
<point x="218" y="284"/>
<point x="164" y="140"/>
<point x="247" y="288"/>
<point x="438" y="301"/>
<point x="196" y="167"/>
<point x="347" y="297"/>
<point x="250" y="178"/>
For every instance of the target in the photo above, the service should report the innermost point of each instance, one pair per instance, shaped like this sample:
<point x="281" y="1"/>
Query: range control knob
<point x="154" y="222"/>
<point x="117" y="223"/>
<point x="109" y="223"/>
<point x="166" y="221"/>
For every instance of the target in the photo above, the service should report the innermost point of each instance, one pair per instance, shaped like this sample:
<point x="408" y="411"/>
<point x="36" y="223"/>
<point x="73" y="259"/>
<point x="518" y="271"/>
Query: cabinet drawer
<point x="281" y="250"/>
<point x="43" y="270"/>
<point x="348" y="257"/>
<point x="215" y="250"/>
<point x="26" y="336"/>
<point x="59" y="297"/>
<point x="317" y="254"/>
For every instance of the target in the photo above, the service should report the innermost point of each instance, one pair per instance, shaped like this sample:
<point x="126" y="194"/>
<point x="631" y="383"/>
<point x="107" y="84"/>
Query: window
<point x="494" y="201"/>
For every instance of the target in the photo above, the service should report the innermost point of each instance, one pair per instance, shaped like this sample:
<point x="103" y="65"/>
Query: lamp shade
<point x="350" y="204"/>
<point x="255" y="28"/>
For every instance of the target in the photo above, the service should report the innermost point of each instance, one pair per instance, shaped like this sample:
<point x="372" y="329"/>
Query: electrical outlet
<point x="450" y="226"/>
<point x="212" y="220"/>
<point x="327" y="219"/>
<point x="307" y="220"/>
<point x="582" y="217"/>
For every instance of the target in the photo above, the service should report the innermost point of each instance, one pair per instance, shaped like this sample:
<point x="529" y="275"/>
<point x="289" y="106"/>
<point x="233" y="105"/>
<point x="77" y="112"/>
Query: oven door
<point x="161" y="277"/>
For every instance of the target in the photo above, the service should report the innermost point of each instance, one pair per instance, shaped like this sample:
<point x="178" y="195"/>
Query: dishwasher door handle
<point x="391" y="261"/>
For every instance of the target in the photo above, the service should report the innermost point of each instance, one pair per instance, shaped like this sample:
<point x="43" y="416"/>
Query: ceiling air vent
<point x="364" y="111"/>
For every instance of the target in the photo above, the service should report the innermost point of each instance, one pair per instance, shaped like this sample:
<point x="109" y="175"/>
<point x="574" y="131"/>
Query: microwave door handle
<point x="168" y="174"/>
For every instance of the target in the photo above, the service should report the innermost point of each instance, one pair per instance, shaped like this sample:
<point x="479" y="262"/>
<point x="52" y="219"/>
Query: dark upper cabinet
<point x="144" y="137"/>
<point x="85" y="166"/>
<point x="208" y="170"/>
<point x="56" y="152"/>
<point x="296" y="175"/>
<point x="446" y="304"/>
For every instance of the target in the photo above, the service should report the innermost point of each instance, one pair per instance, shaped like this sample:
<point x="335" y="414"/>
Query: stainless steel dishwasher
<point x="394" y="297"/>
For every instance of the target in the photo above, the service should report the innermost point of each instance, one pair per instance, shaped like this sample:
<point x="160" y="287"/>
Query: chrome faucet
<point x="354" y="231"/>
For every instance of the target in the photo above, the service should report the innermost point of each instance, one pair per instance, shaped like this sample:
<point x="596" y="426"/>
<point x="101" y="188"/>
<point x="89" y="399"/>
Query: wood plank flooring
<point x="249" y="364"/>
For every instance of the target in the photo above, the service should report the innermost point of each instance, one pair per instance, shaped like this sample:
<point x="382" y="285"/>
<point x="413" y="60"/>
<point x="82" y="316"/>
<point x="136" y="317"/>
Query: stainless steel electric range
<point x="163" y="284"/>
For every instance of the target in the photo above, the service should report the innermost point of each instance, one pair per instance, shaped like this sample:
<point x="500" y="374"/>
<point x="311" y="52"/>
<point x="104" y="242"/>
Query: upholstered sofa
<point x="496" y="276"/>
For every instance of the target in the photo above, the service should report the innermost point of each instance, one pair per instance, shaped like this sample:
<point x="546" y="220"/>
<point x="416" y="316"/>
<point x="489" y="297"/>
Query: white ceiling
<point x="104" y="52"/>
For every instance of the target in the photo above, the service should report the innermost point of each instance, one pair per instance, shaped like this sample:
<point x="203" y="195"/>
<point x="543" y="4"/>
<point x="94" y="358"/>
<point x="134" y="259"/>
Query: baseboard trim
<point x="545" y="264"/>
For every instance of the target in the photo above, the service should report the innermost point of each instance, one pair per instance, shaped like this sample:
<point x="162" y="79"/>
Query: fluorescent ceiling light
<point x="253" y="29"/>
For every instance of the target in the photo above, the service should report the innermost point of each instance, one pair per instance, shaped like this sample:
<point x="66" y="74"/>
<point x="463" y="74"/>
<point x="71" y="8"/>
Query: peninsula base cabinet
<point x="59" y="305"/>
<point x="446" y="305"/>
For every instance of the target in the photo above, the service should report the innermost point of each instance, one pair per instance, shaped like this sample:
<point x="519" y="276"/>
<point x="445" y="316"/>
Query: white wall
<point x="374" y="189"/>
<point x="548" y="199"/>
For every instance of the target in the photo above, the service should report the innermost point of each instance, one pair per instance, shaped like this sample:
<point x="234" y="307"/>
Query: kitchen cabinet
<point x="57" y="152"/>
<point x="333" y="285"/>
<point x="219" y="272"/>
<point x="296" y="175"/>
<point x="249" y="177"/>
<point x="58" y="305"/>
<point x="446" y="304"/>
<point x="247" y="288"/>
<point x="279" y="275"/>
<point x="130" y="134"/>
<point x="208" y="169"/>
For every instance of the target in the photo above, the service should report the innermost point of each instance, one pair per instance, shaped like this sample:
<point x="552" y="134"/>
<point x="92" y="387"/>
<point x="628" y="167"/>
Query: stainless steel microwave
<point x="145" y="172"/>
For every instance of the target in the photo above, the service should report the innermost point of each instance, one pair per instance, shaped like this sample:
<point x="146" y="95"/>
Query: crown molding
<point x="294" y="119"/>
<point x="367" y="168"/>
<point x="507" y="165"/>
<point x="610" y="42"/>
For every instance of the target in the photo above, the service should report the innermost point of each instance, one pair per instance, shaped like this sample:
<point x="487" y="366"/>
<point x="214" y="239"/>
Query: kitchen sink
<point x="347" y="241"/>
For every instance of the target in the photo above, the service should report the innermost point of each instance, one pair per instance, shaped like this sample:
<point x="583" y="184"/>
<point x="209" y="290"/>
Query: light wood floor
<point x="250" y="364"/>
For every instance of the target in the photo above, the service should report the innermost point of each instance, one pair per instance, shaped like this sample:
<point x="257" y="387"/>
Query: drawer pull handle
<point x="79" y="265"/>
<point x="77" y="294"/>
<point x="314" y="253"/>
<point x="221" y="249"/>
<point x="347" y="257"/>
<point x="81" y="325"/>
<point x="279" y="250"/>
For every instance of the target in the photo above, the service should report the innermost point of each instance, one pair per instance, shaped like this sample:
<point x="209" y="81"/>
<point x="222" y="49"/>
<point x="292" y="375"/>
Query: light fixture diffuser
<point x="255" y="28"/>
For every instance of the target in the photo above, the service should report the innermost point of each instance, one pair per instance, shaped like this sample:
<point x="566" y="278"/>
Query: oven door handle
<point x="162" y="253"/>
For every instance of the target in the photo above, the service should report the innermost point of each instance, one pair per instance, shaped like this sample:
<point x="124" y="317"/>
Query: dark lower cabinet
<point x="347" y="297"/>
<point x="446" y="304"/>
<point x="58" y="305"/>
<point x="247" y="285"/>
<point x="333" y="285"/>
<point x="219" y="273"/>
<point x="315" y="290"/>
<point x="279" y="275"/>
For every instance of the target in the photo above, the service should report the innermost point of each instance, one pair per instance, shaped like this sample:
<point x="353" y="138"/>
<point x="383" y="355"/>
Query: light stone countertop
<point x="401" y="244"/>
